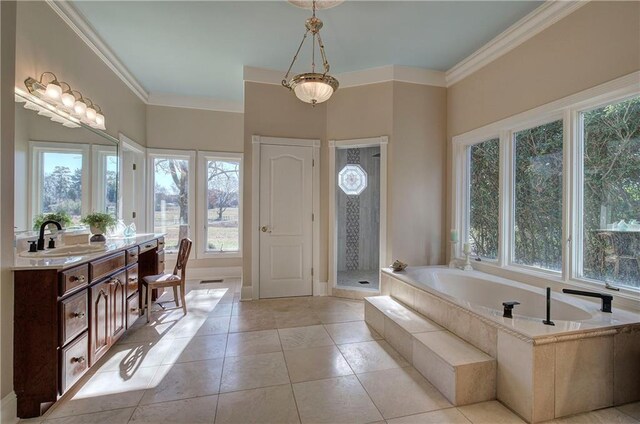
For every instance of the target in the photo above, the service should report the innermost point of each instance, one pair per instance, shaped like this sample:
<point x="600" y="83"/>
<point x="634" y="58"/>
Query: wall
<point x="597" y="43"/>
<point x="196" y="129"/>
<point x="7" y="123"/>
<point x="44" y="42"/>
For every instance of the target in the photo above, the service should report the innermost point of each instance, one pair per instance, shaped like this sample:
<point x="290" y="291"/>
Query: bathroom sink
<point x="75" y="250"/>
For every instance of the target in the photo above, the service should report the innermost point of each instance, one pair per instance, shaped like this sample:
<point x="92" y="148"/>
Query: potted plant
<point x="99" y="223"/>
<point x="60" y="217"/>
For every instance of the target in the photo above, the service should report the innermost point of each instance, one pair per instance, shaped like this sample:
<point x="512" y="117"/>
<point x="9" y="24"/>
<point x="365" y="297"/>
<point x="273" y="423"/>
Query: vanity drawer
<point x="132" y="280"/>
<point x="160" y="262"/>
<point x="161" y="243"/>
<point x="74" y="316"/>
<point x="103" y="267"/>
<point x="74" y="360"/>
<point x="133" y="309"/>
<point x="132" y="255"/>
<point x="146" y="246"/>
<point x="73" y="278"/>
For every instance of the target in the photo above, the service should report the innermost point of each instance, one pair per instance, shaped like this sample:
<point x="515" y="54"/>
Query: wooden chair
<point x="170" y="280"/>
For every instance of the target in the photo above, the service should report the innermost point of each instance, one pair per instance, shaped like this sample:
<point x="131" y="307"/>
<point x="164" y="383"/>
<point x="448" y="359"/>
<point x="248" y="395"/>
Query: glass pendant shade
<point x="91" y="114"/>
<point x="100" y="120"/>
<point x="53" y="90"/>
<point x="68" y="99"/>
<point x="314" y="88"/>
<point x="80" y="107"/>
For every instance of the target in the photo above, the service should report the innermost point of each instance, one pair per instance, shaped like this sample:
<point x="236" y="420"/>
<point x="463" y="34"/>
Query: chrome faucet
<point x="42" y="227"/>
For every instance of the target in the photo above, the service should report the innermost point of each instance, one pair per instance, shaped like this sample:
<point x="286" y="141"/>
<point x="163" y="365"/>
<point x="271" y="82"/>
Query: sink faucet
<point x="42" y="227"/>
<point x="606" y="298"/>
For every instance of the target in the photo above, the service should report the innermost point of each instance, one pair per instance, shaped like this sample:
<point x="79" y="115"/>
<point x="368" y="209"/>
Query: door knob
<point x="265" y="229"/>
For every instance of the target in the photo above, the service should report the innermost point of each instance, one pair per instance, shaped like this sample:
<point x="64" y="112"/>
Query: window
<point x="172" y="179"/>
<point x="352" y="179"/>
<point x="611" y="193"/>
<point x="221" y="194"/>
<point x="484" y="205"/>
<point x="538" y="184"/>
<point x="59" y="173"/>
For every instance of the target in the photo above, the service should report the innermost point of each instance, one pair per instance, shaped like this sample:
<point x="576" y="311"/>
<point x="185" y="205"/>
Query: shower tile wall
<point x="358" y="216"/>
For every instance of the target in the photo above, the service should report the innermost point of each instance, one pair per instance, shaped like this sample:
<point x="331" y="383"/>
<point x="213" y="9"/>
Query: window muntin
<point x="537" y="194"/>
<point x="171" y="198"/>
<point x="610" y="249"/>
<point x="222" y="200"/>
<point x="484" y="201"/>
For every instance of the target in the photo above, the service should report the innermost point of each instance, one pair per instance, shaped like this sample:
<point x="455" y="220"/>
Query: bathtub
<point x="587" y="360"/>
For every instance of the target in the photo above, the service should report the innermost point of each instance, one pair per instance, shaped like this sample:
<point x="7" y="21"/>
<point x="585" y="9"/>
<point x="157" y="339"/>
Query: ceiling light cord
<point x="285" y="81"/>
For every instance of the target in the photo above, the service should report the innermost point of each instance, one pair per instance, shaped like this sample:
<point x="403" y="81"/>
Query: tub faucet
<point x="508" y="308"/>
<point x="42" y="227"/>
<point x="606" y="298"/>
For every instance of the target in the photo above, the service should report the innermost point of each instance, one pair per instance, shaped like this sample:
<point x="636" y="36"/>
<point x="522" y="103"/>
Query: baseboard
<point x="9" y="409"/>
<point x="320" y="289"/>
<point x="214" y="272"/>
<point x="246" y="293"/>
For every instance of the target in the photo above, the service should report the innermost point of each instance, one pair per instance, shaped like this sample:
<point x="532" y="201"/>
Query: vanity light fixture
<point x="312" y="87"/>
<point x="57" y="97"/>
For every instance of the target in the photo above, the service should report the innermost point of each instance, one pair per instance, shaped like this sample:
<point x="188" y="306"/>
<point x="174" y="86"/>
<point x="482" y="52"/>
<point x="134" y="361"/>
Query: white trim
<point x="201" y="211"/>
<point x="78" y="23"/>
<point x="381" y="141"/>
<point x="246" y="293"/>
<point x="380" y="74"/>
<point x="320" y="288"/>
<point x="9" y="409"/>
<point x="257" y="141"/>
<point x="532" y="24"/>
<point x="127" y="144"/>
<point x="195" y="102"/>
<point x="214" y="272"/>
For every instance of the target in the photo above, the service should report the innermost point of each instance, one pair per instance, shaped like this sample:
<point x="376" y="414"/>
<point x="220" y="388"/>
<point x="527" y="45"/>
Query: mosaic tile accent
<point x="353" y="220"/>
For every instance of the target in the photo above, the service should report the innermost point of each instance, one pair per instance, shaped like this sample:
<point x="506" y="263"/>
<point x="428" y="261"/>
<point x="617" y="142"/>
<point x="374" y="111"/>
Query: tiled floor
<point x="309" y="360"/>
<point x="352" y="279"/>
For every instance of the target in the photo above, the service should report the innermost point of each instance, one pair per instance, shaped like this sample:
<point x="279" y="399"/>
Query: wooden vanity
<point x="69" y="313"/>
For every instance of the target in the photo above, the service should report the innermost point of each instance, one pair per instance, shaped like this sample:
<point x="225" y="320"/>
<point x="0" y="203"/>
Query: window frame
<point x="568" y="109"/>
<point x="201" y="213"/>
<point x="190" y="156"/>
<point x="99" y="152"/>
<point x="36" y="149"/>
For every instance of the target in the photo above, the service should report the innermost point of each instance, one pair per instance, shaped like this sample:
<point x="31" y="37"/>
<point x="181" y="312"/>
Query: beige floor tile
<point x="351" y="332"/>
<point x="296" y="318"/>
<point x="253" y="306"/>
<point x="253" y="342"/>
<point x="316" y="363"/>
<point x="252" y="322"/>
<point x="96" y="403"/>
<point x="329" y="316"/>
<point x="304" y="337"/>
<point x="443" y="416"/>
<point x="196" y="349"/>
<point x="128" y="357"/>
<point x="253" y="371"/>
<point x="603" y="416"/>
<point x="402" y="391"/>
<point x="115" y="382"/>
<point x="192" y="411"/>
<point x="214" y="325"/>
<point x="221" y="310"/>
<point x="631" y="409"/>
<point x="266" y="405"/>
<point x="336" y="400"/>
<point x="492" y="412"/>
<point x="372" y="356"/>
<point x="116" y="416"/>
<point x="184" y="380"/>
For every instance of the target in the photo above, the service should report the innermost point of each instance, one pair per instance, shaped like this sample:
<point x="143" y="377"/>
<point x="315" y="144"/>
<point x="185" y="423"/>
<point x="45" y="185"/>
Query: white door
<point x="286" y="233"/>
<point x="132" y="188"/>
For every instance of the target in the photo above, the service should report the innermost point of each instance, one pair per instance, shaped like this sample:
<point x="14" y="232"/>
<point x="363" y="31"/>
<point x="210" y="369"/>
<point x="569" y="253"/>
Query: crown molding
<point x="79" y="25"/>
<point x="532" y="24"/>
<point x="195" y="102"/>
<point x="380" y="74"/>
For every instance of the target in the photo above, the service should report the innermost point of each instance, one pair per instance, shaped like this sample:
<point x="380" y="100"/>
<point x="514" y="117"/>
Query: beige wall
<point x="44" y="42"/>
<point x="7" y="110"/>
<point x="597" y="43"/>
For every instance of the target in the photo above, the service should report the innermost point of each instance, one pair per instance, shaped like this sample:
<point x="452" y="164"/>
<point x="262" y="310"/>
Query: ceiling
<point x="191" y="48"/>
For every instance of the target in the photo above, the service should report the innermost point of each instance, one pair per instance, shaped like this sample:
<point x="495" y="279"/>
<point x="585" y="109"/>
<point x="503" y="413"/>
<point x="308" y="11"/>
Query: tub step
<point x="463" y="373"/>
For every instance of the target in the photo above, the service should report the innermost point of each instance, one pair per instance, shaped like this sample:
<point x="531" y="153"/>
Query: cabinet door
<point x="100" y="331"/>
<point x="117" y="286"/>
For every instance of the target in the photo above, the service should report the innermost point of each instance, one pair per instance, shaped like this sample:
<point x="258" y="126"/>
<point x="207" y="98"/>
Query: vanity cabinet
<point x="66" y="318"/>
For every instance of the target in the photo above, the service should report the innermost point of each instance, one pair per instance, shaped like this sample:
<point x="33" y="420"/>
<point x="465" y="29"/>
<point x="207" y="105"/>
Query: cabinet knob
<point x="79" y="359"/>
<point x="78" y="278"/>
<point x="133" y="279"/>
<point x="134" y="309"/>
<point x="80" y="314"/>
<point x="148" y="246"/>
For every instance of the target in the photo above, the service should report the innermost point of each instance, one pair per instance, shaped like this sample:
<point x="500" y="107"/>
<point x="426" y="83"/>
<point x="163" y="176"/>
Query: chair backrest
<point x="183" y="257"/>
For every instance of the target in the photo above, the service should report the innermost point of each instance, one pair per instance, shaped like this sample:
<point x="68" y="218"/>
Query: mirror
<point x="74" y="171"/>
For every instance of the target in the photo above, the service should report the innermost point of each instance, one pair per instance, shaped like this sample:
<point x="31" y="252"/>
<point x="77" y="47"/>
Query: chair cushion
<point x="161" y="279"/>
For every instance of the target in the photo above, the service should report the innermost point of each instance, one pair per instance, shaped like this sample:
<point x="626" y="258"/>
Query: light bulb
<point x="68" y="99"/>
<point x="91" y="114"/>
<point x="54" y="91"/>
<point x="80" y="107"/>
<point x="100" y="120"/>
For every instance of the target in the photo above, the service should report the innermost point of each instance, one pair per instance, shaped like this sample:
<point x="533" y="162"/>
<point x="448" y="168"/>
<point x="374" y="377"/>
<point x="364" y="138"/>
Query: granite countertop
<point x="112" y="245"/>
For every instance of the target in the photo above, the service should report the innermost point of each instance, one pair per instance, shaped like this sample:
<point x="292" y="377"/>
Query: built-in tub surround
<point x="586" y="361"/>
